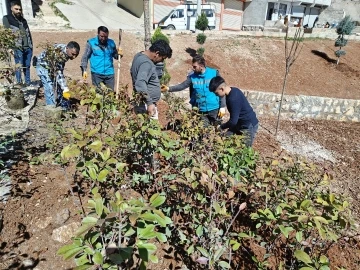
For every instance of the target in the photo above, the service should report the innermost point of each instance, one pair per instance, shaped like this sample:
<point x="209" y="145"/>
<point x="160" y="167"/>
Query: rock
<point x="62" y="217"/>
<point x="43" y="223"/>
<point x="27" y="263"/>
<point x="64" y="233"/>
<point x="15" y="99"/>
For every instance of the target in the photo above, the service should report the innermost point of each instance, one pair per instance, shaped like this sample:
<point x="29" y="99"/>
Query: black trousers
<point x="108" y="80"/>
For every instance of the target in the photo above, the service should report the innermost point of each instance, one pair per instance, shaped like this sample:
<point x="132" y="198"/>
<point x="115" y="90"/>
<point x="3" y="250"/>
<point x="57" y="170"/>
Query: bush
<point x="202" y="23"/>
<point x="200" y="51"/>
<point x="201" y="38"/>
<point x="158" y="35"/>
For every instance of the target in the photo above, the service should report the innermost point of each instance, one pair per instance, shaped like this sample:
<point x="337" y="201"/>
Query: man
<point x="145" y="77"/>
<point x="243" y="119"/>
<point x="100" y="50"/>
<point x="24" y="46"/>
<point x="52" y="75"/>
<point x="209" y="105"/>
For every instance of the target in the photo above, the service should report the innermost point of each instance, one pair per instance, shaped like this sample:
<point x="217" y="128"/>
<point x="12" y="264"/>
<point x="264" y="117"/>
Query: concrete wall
<point x="254" y="13"/>
<point x="340" y="8"/>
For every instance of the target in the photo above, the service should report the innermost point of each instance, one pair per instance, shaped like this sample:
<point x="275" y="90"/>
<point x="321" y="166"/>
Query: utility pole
<point x="198" y="11"/>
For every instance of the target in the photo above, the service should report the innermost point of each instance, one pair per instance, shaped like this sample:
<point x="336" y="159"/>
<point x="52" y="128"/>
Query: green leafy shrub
<point x="200" y="51"/>
<point x="158" y="35"/>
<point x="205" y="195"/>
<point x="7" y="43"/>
<point x="201" y="38"/>
<point x="202" y="23"/>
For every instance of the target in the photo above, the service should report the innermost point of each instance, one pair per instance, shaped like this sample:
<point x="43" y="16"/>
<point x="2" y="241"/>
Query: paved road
<point x="90" y="14"/>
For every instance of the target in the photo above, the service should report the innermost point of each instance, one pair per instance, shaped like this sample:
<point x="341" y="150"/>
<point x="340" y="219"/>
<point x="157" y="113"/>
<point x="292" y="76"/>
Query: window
<point x="209" y="12"/>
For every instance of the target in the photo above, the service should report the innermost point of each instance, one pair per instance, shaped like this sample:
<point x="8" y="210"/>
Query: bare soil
<point x="41" y="192"/>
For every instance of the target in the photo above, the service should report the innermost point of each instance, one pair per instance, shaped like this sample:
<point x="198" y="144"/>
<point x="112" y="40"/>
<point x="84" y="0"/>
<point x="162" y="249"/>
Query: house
<point x="265" y="13"/>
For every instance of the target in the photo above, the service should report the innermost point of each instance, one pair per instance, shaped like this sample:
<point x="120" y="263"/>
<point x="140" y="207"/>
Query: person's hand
<point x="151" y="109"/>
<point x="218" y="128"/>
<point x="120" y="52"/>
<point x="221" y="112"/>
<point x="66" y="93"/>
<point x="164" y="88"/>
<point x="85" y="75"/>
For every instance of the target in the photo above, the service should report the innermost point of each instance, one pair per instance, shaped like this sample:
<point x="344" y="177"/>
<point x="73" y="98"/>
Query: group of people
<point x="209" y="92"/>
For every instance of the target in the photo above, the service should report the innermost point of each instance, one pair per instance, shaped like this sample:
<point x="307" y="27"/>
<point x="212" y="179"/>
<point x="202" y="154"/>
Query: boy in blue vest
<point x="243" y="120"/>
<point x="101" y="50"/>
<point x="209" y="105"/>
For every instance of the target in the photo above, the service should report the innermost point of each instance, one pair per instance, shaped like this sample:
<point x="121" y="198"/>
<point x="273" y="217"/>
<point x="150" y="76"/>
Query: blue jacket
<point x="200" y="96"/>
<point x="101" y="59"/>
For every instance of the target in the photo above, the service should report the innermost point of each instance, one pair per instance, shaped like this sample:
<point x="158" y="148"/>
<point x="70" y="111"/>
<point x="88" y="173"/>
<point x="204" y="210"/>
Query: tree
<point x="345" y="27"/>
<point x="202" y="23"/>
<point x="147" y="28"/>
<point x="291" y="54"/>
<point x="161" y="66"/>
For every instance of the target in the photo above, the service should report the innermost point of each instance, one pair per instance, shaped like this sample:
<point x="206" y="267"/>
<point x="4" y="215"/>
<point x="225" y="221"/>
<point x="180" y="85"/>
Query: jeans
<point x="48" y="84"/>
<point x="248" y="133"/>
<point x="108" y="80"/>
<point x="23" y="58"/>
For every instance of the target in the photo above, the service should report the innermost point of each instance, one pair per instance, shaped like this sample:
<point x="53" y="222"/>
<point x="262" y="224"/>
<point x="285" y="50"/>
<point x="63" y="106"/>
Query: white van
<point x="183" y="17"/>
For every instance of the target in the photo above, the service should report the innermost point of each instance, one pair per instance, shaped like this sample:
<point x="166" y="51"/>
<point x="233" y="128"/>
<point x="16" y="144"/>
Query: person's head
<point x="198" y="64"/>
<point x="103" y="34"/>
<point x="16" y="9"/>
<point x="160" y="50"/>
<point x="72" y="49"/>
<point x="218" y="86"/>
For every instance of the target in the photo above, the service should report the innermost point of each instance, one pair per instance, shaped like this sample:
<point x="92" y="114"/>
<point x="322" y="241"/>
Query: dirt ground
<point x="41" y="193"/>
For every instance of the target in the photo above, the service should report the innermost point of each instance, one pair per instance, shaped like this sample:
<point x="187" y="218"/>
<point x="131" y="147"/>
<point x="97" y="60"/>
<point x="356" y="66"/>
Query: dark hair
<point x="15" y="3"/>
<point x="103" y="29"/>
<point x="215" y="83"/>
<point x="73" y="45"/>
<point x="162" y="48"/>
<point x="199" y="59"/>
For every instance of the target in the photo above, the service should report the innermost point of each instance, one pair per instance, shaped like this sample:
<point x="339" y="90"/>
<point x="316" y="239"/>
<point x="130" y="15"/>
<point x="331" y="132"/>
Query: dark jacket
<point x="21" y="26"/>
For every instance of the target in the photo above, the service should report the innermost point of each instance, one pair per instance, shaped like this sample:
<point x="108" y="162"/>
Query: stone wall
<point x="338" y="9"/>
<point x="299" y="107"/>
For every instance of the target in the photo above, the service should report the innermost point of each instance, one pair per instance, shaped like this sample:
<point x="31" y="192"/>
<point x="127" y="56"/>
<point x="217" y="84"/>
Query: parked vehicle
<point x="183" y="17"/>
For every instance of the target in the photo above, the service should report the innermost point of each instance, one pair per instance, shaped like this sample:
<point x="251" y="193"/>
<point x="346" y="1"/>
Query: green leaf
<point x="324" y="259"/>
<point x="321" y="219"/>
<point x="71" y="252"/>
<point x="92" y="173"/>
<point x="218" y="254"/>
<point x="157" y="200"/>
<point x="129" y="232"/>
<point x="93" y="132"/>
<point x="147" y="233"/>
<point x="84" y="267"/>
<point x="224" y="264"/>
<point x="307" y="268"/>
<point x="102" y="175"/>
<point x="305" y="204"/>
<point x="161" y="237"/>
<point x="88" y="223"/>
<point x="98" y="258"/>
<point x="203" y="251"/>
<point x="96" y="146"/>
<point x="153" y="258"/>
<point x="302" y="256"/>
<point x="299" y="236"/>
<point x="199" y="231"/>
<point x="151" y="248"/>
<point x="190" y="250"/>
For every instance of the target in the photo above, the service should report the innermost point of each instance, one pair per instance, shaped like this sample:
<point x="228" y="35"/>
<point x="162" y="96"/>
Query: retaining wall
<point x="301" y="106"/>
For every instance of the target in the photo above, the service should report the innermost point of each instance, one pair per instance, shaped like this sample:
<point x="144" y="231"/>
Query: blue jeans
<point x="248" y="133"/>
<point x="24" y="59"/>
<point x="108" y="80"/>
<point x="48" y="84"/>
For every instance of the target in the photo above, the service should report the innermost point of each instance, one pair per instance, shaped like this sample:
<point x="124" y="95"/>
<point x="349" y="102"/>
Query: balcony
<point x="316" y="2"/>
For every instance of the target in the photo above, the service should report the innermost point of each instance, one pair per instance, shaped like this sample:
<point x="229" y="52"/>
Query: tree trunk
<point x="147" y="29"/>
<point x="281" y="100"/>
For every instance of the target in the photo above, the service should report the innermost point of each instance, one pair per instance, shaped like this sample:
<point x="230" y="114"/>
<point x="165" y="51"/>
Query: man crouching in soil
<point x="243" y="120"/>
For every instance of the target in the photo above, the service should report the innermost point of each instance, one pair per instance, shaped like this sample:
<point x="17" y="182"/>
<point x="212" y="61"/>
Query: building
<point x="265" y="13"/>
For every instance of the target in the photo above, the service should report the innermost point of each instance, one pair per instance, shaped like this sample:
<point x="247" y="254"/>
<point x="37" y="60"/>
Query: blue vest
<point x="201" y="96"/>
<point x="101" y="59"/>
